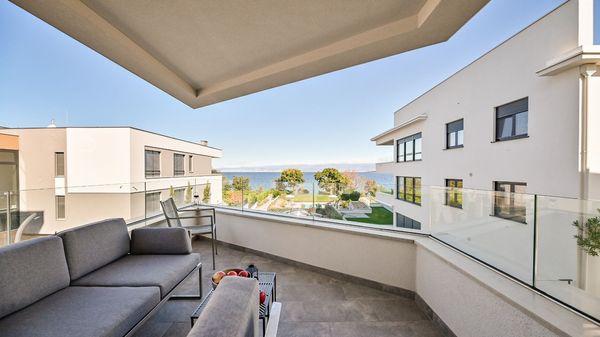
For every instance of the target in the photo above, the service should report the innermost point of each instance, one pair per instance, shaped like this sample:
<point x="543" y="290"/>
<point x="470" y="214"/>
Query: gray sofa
<point x="91" y="280"/>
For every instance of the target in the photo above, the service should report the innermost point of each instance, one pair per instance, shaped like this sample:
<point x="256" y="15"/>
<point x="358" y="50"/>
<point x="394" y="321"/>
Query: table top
<point x="266" y="283"/>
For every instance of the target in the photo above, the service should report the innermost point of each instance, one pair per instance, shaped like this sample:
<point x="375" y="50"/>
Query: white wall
<point x="98" y="156"/>
<point x="547" y="161"/>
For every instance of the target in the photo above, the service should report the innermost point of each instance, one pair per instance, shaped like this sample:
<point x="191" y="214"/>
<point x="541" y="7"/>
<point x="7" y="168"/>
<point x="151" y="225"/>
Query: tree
<point x="588" y="237"/>
<point x="206" y="194"/>
<point x="291" y="177"/>
<point x="371" y="187"/>
<point x="241" y="183"/>
<point x="226" y="184"/>
<point x="352" y="178"/>
<point x="331" y="180"/>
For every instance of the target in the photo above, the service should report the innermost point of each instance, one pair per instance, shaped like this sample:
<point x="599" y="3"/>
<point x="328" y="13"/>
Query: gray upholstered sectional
<point x="91" y="280"/>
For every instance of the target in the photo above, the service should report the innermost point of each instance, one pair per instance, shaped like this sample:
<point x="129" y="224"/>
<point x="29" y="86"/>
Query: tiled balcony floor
<point x="313" y="304"/>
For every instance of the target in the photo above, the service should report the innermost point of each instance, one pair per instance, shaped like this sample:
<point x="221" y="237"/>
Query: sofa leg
<point x="191" y="297"/>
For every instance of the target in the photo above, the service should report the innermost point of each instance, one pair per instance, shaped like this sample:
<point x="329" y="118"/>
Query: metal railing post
<point x="8" y="219"/>
<point x="535" y="219"/>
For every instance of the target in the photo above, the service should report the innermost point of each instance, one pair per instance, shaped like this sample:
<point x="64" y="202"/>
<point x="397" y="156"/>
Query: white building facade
<point x="521" y="118"/>
<point x="72" y="176"/>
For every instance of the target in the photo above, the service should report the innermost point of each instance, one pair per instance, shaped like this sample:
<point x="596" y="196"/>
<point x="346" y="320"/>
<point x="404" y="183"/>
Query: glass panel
<point x="460" y="137"/>
<point x="59" y="158"/>
<point x="409" y="150"/>
<point x="400" y="187"/>
<point x="418" y="148"/>
<point x="400" y="151"/>
<point x="452" y="139"/>
<point x="521" y="123"/>
<point x="504" y="244"/>
<point x="410" y="189"/>
<point x="504" y="127"/>
<point x="566" y="267"/>
<point x="418" y="190"/>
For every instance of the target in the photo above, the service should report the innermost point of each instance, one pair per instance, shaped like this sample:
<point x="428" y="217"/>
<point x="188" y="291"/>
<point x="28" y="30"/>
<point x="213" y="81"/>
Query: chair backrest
<point x="170" y="211"/>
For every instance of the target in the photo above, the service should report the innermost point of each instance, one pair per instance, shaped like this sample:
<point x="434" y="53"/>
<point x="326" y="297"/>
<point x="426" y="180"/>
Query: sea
<point x="266" y="179"/>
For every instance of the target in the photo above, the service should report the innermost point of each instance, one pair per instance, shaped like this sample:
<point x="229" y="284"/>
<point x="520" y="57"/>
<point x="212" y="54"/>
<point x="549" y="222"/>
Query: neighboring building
<point x="522" y="118"/>
<point x="71" y="176"/>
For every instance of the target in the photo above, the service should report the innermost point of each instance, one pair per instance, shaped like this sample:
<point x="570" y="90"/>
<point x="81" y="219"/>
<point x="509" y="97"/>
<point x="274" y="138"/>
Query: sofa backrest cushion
<point x="31" y="270"/>
<point x="95" y="245"/>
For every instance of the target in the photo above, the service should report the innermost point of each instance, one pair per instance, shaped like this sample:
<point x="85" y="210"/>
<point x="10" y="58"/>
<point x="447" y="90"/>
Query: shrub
<point x="329" y="212"/>
<point x="353" y="196"/>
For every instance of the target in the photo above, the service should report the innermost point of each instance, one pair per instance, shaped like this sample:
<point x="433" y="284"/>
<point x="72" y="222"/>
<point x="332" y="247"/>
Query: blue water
<point x="266" y="179"/>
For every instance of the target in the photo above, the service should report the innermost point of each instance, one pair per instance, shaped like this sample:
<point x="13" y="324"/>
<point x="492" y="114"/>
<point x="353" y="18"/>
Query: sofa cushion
<point x="95" y="245"/>
<point x="31" y="270"/>
<point x="163" y="271"/>
<point x="160" y="240"/>
<point x="231" y="312"/>
<point x="83" y="312"/>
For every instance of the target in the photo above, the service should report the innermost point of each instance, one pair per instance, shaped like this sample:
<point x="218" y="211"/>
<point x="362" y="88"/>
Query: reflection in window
<point x="406" y="222"/>
<point x="409" y="189"/>
<point x="409" y="148"/>
<point x="454" y="192"/>
<point x="509" y="200"/>
<point x="454" y="134"/>
<point x="512" y="120"/>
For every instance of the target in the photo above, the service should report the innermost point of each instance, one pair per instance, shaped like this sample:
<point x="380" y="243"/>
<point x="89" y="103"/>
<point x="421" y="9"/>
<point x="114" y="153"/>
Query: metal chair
<point x="174" y="217"/>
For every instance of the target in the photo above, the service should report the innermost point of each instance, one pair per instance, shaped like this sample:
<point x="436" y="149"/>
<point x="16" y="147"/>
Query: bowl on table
<point x="217" y="278"/>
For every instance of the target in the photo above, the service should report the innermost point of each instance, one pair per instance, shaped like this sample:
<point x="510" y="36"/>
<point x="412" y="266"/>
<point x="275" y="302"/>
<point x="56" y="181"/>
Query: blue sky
<point x="46" y="75"/>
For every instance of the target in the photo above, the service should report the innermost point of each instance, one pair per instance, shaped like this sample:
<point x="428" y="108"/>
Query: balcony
<point x="377" y="277"/>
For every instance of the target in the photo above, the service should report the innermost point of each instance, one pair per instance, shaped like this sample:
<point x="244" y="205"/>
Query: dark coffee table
<point x="267" y="282"/>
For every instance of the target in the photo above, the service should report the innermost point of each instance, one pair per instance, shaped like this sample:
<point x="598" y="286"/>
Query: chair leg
<point x="217" y="246"/>
<point x="200" y="280"/>
<point x="213" y="250"/>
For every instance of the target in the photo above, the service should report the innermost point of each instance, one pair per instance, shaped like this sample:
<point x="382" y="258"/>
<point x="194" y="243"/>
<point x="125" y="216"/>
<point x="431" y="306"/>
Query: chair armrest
<point x="160" y="241"/>
<point x="273" y="324"/>
<point x="232" y="310"/>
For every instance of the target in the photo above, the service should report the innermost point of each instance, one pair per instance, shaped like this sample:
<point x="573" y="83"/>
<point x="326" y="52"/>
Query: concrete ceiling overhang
<point x="204" y="52"/>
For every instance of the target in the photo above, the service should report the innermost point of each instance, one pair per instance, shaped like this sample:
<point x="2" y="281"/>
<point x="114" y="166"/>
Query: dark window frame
<point x="56" y="166"/>
<point x="57" y="207"/>
<point x="512" y="216"/>
<point x="153" y="171"/>
<point x="415" y="190"/>
<point x="452" y="130"/>
<point x="402" y="143"/>
<point x="510" y="111"/>
<point x="454" y="191"/>
<point x="178" y="167"/>
<point x="414" y="224"/>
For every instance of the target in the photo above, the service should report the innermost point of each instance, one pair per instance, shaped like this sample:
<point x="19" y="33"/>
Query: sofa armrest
<point x="232" y="311"/>
<point x="160" y="241"/>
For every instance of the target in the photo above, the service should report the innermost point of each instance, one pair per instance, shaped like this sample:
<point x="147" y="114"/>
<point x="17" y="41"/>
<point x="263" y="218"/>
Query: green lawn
<point x="379" y="216"/>
<point x="309" y="198"/>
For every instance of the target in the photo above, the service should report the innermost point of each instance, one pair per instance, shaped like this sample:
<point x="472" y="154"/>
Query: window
<point x="191" y="164"/>
<point x="152" y="163"/>
<point x="455" y="134"/>
<point x="178" y="164"/>
<point x="152" y="203"/>
<point x="59" y="164"/>
<point x="509" y="200"/>
<point x="60" y="207"/>
<point x="406" y="222"/>
<point x="409" y="148"/>
<point x="409" y="189"/>
<point x="454" y="192"/>
<point x="511" y="120"/>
